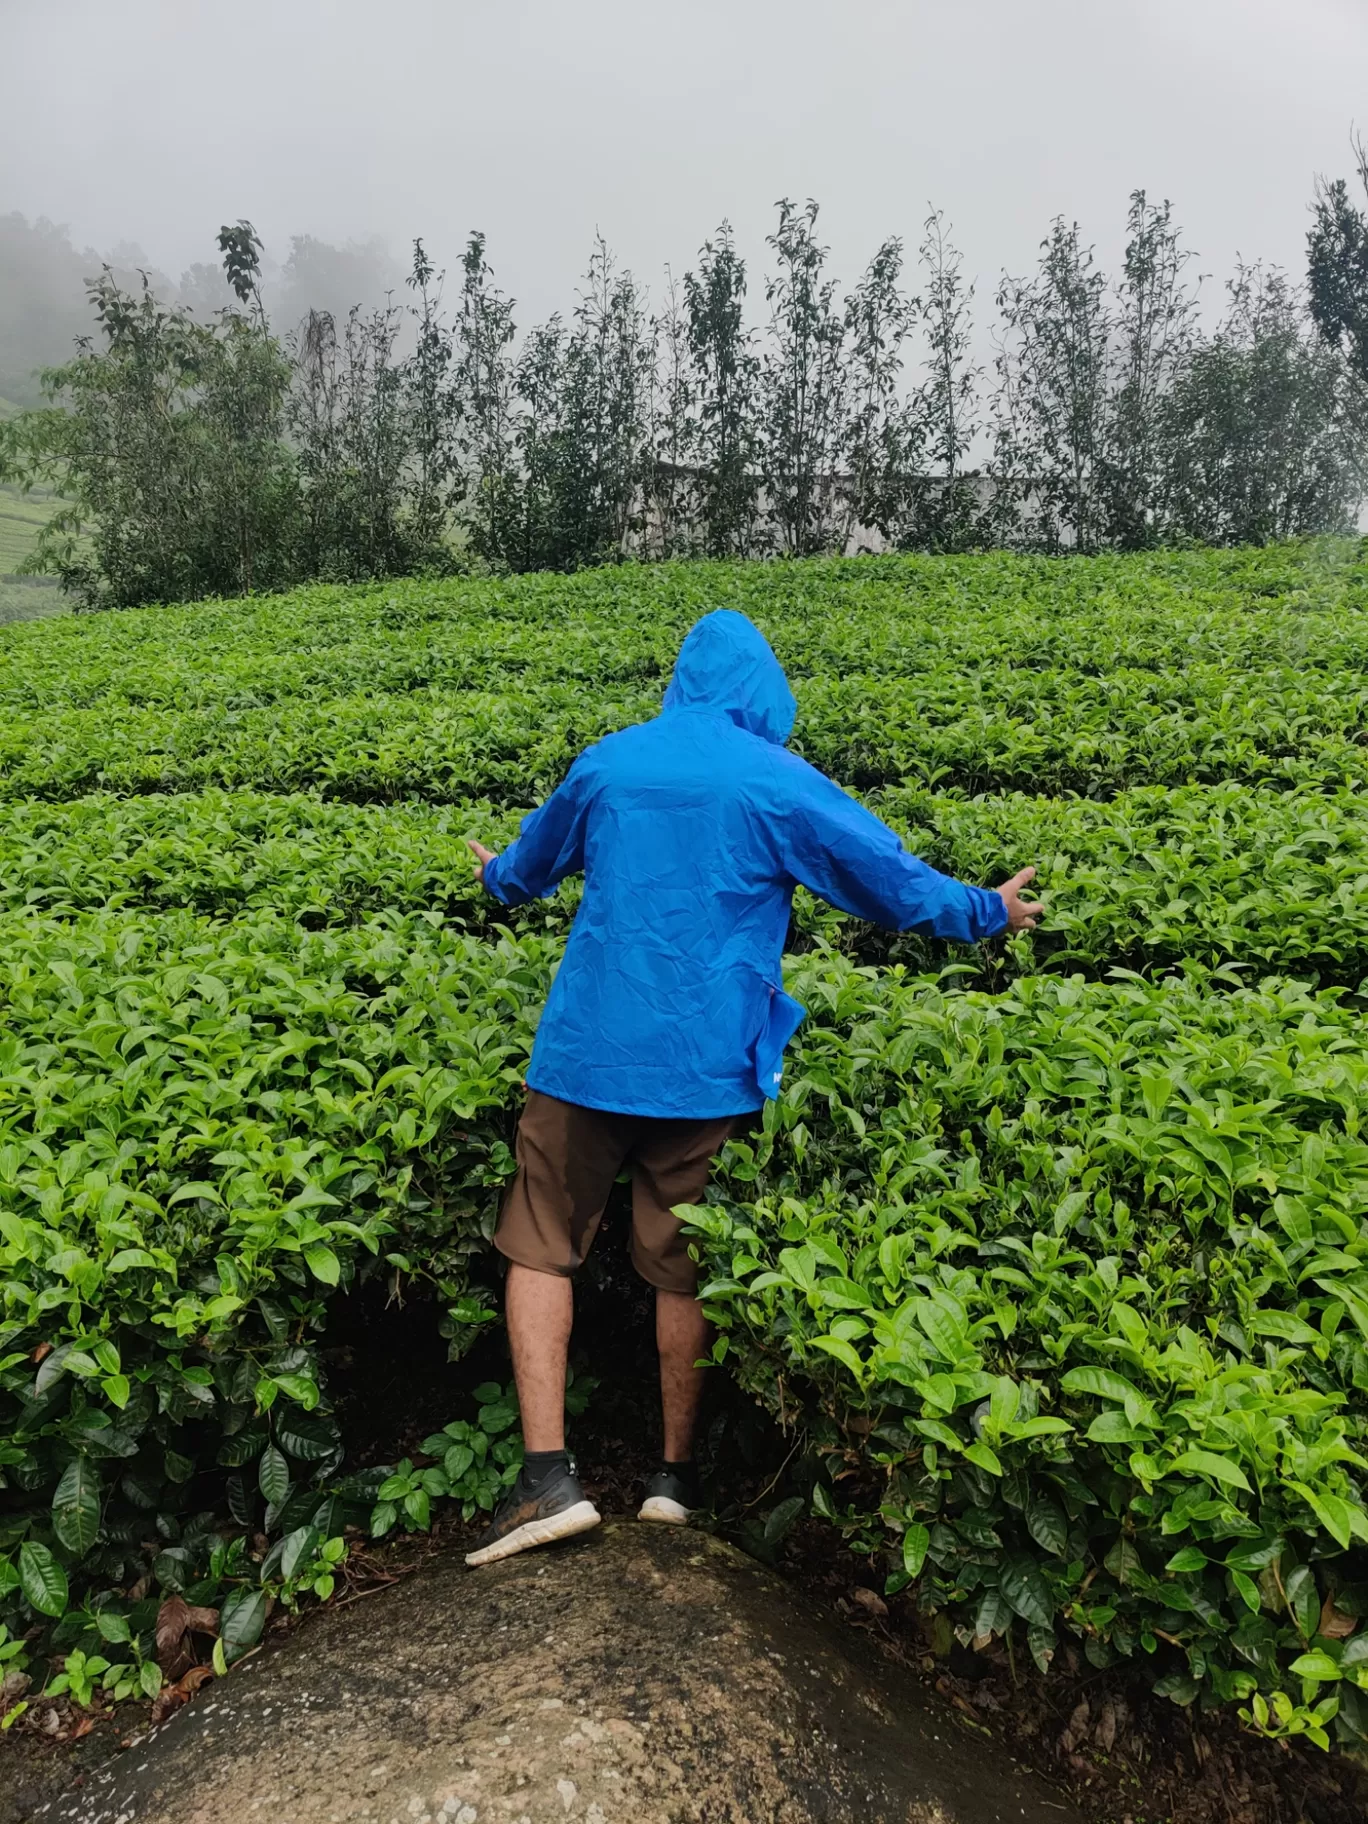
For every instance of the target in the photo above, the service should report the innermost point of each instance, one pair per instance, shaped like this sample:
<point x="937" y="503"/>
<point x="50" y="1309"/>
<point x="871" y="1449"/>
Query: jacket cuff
<point x="995" y="918"/>
<point x="491" y="881"/>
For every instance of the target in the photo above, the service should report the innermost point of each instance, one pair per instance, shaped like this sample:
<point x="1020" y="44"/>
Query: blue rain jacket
<point x="692" y="831"/>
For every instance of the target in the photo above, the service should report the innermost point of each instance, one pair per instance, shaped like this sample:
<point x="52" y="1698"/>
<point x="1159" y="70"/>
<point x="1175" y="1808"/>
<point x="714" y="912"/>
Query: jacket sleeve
<point x="843" y="853"/>
<point x="549" y="845"/>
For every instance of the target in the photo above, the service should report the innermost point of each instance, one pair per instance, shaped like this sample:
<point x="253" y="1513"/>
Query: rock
<point x="639" y="1675"/>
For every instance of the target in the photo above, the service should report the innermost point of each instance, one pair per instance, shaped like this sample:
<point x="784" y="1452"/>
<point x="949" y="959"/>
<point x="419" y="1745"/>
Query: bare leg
<point x="540" y="1307"/>
<point x="683" y="1336"/>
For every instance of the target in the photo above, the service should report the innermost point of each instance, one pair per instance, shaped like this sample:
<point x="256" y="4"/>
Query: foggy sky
<point x="543" y="120"/>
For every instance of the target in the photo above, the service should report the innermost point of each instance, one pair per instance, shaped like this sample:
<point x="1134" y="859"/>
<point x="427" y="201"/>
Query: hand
<point x="1022" y="914"/>
<point x="483" y="855"/>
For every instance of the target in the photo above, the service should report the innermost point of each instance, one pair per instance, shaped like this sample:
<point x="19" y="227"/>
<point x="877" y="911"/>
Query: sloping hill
<point x="22" y="516"/>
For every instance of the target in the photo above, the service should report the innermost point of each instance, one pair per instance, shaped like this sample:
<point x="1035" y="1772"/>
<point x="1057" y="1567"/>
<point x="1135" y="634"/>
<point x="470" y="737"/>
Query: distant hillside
<point x="30" y="599"/>
<point x="21" y="517"/>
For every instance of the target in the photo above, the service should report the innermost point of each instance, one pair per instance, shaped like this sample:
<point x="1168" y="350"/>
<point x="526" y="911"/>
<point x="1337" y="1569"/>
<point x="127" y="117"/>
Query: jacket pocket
<point x="782" y="1020"/>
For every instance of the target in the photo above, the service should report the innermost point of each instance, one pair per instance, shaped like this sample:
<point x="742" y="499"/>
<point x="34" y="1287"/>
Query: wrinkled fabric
<point x="692" y="831"/>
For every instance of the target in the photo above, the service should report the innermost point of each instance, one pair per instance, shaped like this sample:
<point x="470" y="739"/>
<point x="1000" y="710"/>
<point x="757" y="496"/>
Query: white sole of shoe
<point x="580" y="1518"/>
<point x="665" y="1512"/>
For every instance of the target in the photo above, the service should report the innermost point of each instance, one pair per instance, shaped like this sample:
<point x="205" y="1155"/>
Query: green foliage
<point x="167" y="445"/>
<point x="938" y="507"/>
<point x="1071" y="1280"/>
<point x="803" y="386"/>
<point x="1057" y="1256"/>
<point x="474" y="1461"/>
<point x="1107" y="675"/>
<point x="1050" y="434"/>
<point x="244" y="1123"/>
<point x="211" y="454"/>
<point x="726" y="380"/>
<point x="372" y="436"/>
<point x="1337" y="265"/>
<point x="1266" y="427"/>
<point x="1157" y="875"/>
<point x="1087" y="447"/>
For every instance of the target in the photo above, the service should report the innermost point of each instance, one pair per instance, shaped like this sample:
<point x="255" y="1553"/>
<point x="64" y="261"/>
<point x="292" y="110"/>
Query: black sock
<point x="539" y="1464"/>
<point x="686" y="1468"/>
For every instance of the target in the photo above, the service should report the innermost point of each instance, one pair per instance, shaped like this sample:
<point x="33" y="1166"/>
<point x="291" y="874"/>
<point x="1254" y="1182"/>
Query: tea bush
<point x="1154" y="876"/>
<point x="204" y="1131"/>
<point x="1056" y="1250"/>
<point x="1072" y="1282"/>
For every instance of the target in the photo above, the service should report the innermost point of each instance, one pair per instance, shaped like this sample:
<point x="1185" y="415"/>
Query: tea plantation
<point x="1058" y="1251"/>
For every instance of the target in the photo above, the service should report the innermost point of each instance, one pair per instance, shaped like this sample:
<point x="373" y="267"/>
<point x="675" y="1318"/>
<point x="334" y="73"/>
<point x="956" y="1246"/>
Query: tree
<point x="1052" y="401"/>
<point x="547" y="444"/>
<point x="484" y="394"/>
<point x="876" y="448"/>
<point x="802" y="386"/>
<point x="582" y="431"/>
<point x="433" y="407"/>
<point x="613" y="338"/>
<point x="1337" y="266"/>
<point x="165" y="439"/>
<point x="670" y="498"/>
<point x="1155" y="330"/>
<point x="242" y="402"/>
<point x="1263" y="429"/>
<point x="941" y="509"/>
<point x="347" y="421"/>
<point x="726" y="375"/>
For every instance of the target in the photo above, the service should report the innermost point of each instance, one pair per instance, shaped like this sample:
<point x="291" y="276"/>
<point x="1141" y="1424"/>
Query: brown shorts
<point x="568" y="1158"/>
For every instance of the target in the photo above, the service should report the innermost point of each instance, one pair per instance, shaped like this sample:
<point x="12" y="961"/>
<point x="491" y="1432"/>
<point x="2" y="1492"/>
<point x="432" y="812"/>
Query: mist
<point x="140" y="128"/>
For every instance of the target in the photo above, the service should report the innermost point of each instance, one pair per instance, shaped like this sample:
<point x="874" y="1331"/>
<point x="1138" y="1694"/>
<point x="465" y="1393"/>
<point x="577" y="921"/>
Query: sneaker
<point x="671" y="1499"/>
<point x="556" y="1509"/>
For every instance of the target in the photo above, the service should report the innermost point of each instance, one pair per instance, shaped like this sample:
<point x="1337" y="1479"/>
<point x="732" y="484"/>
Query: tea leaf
<point x="76" y="1506"/>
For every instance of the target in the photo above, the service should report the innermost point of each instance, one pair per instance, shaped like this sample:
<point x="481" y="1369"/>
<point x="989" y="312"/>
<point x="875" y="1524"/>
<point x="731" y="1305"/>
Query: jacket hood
<point x="725" y="667"/>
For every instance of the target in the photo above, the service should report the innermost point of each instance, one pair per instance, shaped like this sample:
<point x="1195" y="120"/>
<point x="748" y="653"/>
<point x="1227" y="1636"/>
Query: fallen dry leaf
<point x="176" y="1621"/>
<point x="173" y="1696"/>
<point x="1076" y="1728"/>
<point x="43" y="1349"/>
<point x="1334" y="1623"/>
<point x="869" y="1600"/>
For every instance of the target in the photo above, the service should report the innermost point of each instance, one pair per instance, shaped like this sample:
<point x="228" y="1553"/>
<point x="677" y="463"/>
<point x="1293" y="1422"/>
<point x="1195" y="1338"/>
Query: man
<point x="667" y="1021"/>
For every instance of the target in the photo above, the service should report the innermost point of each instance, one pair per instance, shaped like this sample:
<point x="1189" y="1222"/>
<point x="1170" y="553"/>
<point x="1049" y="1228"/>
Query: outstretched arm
<point x="549" y="846"/>
<point x="848" y="857"/>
